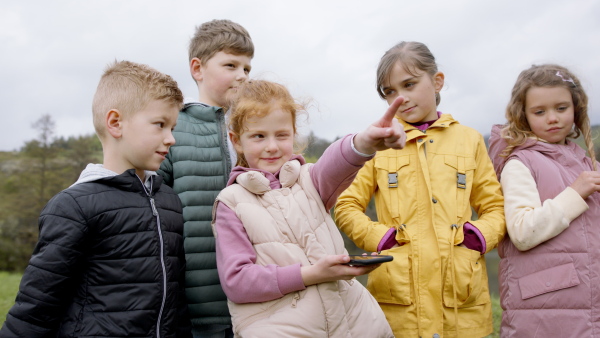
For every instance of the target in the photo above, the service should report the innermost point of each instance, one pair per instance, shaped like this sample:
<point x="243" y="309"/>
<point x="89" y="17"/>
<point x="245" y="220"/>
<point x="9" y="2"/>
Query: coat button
<point x="420" y="140"/>
<point x="285" y="192"/>
<point x="435" y="335"/>
<point x="430" y="141"/>
<point x="433" y="200"/>
<point x="548" y="284"/>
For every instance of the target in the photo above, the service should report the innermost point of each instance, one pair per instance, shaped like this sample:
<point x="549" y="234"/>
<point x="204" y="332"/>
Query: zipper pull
<point x="154" y="211"/>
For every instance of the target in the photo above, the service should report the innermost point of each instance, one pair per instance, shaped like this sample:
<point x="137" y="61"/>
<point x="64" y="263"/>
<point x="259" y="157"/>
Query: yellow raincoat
<point x="427" y="191"/>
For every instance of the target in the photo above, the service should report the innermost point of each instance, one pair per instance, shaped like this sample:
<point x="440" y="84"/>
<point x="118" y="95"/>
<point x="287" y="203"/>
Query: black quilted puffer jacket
<point x="109" y="263"/>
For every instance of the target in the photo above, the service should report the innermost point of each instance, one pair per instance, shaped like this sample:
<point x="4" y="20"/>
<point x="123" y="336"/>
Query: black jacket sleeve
<point x="48" y="282"/>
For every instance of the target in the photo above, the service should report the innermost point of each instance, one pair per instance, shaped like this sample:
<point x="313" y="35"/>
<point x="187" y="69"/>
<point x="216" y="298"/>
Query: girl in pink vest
<point x="280" y="257"/>
<point x="550" y="261"/>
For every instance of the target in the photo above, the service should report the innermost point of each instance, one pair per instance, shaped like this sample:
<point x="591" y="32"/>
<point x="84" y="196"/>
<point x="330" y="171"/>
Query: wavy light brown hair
<point x="415" y="56"/>
<point x="518" y="130"/>
<point x="129" y="87"/>
<point x="220" y="36"/>
<point x="257" y="98"/>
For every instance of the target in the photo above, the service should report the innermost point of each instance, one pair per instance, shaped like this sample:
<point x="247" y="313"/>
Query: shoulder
<point x="198" y="113"/>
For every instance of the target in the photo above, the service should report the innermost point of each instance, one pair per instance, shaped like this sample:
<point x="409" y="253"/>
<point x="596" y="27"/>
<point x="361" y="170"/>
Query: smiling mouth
<point x="408" y="109"/>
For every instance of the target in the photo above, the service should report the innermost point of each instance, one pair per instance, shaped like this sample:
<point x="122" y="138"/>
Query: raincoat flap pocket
<point x="556" y="278"/>
<point x="391" y="164"/>
<point x="467" y="163"/>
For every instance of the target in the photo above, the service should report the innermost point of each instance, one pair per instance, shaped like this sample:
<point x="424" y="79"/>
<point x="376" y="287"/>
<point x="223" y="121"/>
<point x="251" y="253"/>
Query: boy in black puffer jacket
<point x="109" y="261"/>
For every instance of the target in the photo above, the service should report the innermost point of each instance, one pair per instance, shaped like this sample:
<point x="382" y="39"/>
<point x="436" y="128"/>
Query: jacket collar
<point x="257" y="182"/>
<point x="201" y="111"/>
<point x="413" y="132"/>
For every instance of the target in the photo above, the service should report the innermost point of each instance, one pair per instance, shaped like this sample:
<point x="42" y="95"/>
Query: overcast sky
<point x="52" y="53"/>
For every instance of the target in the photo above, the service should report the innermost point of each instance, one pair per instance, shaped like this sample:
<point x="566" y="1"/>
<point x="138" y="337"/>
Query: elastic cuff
<point x="358" y="152"/>
<point x="388" y="240"/>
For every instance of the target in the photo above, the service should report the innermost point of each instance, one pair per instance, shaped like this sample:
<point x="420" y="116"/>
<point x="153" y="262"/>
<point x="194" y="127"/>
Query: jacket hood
<point x="95" y="172"/>
<point x="498" y="144"/>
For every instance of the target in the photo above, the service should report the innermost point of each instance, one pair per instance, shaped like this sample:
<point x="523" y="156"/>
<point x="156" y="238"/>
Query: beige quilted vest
<point x="287" y="226"/>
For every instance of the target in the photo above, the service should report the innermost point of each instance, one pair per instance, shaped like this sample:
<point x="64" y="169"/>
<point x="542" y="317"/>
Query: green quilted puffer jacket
<point x="197" y="168"/>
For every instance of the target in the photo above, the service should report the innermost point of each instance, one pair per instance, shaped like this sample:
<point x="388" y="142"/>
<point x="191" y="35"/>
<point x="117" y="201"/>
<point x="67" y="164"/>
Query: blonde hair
<point x="414" y="56"/>
<point x="128" y="87"/>
<point x="220" y="35"/>
<point x="518" y="130"/>
<point x="257" y="98"/>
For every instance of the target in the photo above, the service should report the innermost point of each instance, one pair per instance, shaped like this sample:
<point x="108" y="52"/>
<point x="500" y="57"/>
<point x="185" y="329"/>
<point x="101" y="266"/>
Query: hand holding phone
<point x="364" y="260"/>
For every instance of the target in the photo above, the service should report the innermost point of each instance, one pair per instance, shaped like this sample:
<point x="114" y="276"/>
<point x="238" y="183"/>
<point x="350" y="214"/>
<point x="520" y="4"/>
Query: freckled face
<point x="418" y="91"/>
<point x="550" y="113"/>
<point x="268" y="141"/>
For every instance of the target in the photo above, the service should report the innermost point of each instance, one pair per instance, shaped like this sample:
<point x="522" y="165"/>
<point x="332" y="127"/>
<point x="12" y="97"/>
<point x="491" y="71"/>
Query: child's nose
<point x="271" y="145"/>
<point x="242" y="75"/>
<point x="552" y="117"/>
<point x="169" y="138"/>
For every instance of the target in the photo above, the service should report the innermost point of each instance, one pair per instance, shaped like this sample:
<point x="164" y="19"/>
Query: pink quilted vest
<point x="552" y="290"/>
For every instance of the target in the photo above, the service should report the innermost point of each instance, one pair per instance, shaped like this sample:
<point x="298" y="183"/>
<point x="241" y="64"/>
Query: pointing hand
<point x="385" y="133"/>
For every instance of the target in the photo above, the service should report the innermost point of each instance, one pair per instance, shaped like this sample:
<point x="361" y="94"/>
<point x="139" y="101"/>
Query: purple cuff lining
<point x="474" y="240"/>
<point x="388" y="240"/>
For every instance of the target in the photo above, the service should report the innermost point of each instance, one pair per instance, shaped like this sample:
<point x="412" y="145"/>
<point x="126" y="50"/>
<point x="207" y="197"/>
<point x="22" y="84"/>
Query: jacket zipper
<point x="162" y="265"/>
<point x="223" y="144"/>
<point x="162" y="259"/>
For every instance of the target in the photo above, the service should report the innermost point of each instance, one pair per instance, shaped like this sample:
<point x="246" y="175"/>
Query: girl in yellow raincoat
<point x="425" y="196"/>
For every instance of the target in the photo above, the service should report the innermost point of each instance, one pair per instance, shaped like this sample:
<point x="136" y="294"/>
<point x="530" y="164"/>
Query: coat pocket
<point x="469" y="282"/>
<point x="390" y="283"/>
<point x="552" y="279"/>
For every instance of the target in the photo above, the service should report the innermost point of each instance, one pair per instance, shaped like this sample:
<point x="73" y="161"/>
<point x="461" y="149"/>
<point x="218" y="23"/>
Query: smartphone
<point x="360" y="260"/>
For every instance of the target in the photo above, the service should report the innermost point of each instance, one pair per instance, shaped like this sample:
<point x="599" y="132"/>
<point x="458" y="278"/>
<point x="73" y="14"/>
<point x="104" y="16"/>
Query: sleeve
<point x="336" y="169"/>
<point x="351" y="206"/>
<point x="49" y="279"/>
<point x="166" y="170"/>
<point x="487" y="200"/>
<point x="529" y="221"/>
<point x="242" y="279"/>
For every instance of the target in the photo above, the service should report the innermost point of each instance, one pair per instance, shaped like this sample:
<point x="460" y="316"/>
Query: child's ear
<point x="114" y="123"/>
<point x="235" y="140"/>
<point x="438" y="81"/>
<point x="196" y="69"/>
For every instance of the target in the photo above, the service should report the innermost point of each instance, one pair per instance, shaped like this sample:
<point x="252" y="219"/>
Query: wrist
<point x="359" y="148"/>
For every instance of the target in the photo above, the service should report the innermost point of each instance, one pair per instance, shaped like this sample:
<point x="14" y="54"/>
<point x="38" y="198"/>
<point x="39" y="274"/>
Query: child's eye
<point x="538" y="112"/>
<point x="256" y="136"/>
<point x="388" y="92"/>
<point x="409" y="85"/>
<point x="247" y="70"/>
<point x="160" y="124"/>
<point x="562" y="108"/>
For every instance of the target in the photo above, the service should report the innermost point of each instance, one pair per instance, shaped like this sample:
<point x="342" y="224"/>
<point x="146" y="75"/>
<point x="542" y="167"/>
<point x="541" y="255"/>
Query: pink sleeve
<point x="336" y="169"/>
<point x="242" y="280"/>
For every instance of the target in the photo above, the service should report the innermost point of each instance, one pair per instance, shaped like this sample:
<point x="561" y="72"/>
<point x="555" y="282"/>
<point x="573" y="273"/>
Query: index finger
<point x="386" y="119"/>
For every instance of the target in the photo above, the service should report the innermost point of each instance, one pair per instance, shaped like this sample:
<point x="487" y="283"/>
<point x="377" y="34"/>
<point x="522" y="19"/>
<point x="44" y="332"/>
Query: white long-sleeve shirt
<point x="530" y="221"/>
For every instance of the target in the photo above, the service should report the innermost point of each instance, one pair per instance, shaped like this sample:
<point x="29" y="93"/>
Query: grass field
<point x="9" y="284"/>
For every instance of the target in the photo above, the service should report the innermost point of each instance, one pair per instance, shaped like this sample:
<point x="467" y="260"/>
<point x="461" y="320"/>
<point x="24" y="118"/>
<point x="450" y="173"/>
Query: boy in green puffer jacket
<point x="198" y="166"/>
